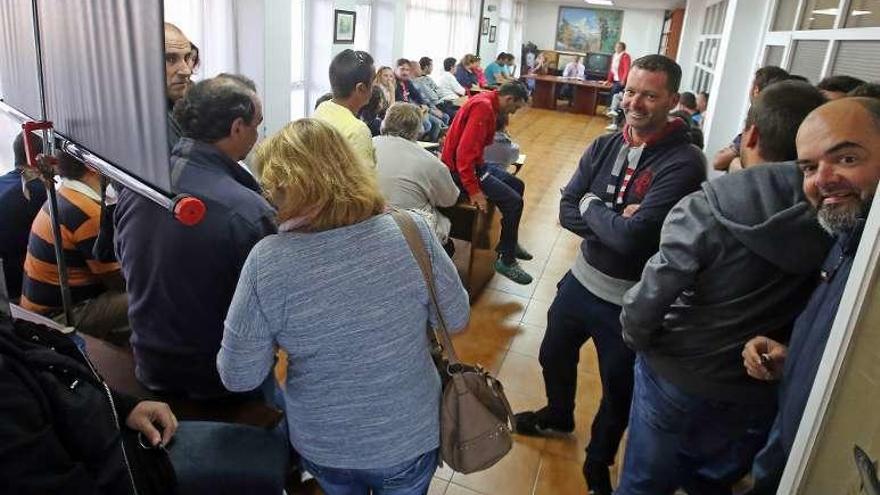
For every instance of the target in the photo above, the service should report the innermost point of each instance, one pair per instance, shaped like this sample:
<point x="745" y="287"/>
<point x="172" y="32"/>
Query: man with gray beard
<point x="839" y="153"/>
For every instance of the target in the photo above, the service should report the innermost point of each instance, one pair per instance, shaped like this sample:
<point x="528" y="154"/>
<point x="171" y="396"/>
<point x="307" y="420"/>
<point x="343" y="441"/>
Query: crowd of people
<point x="708" y="326"/>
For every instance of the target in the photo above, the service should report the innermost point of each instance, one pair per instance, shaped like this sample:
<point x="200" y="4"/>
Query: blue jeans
<point x="576" y="316"/>
<point x="679" y="440"/>
<point x="225" y="458"/>
<point x="408" y="478"/>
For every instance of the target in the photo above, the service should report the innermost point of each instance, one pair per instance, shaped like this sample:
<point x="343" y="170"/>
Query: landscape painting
<point x="588" y="30"/>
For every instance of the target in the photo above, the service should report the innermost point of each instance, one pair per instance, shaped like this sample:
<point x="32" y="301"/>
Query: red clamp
<point x="189" y="210"/>
<point x="28" y="128"/>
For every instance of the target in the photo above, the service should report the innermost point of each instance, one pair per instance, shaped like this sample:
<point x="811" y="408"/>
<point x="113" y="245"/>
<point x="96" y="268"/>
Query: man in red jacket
<point x="472" y="130"/>
<point x="620" y="64"/>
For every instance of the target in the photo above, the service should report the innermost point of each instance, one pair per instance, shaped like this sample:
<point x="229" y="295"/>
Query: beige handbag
<point x="475" y="418"/>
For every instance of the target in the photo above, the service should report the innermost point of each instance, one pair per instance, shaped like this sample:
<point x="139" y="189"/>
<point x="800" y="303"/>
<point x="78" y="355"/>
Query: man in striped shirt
<point x="96" y="288"/>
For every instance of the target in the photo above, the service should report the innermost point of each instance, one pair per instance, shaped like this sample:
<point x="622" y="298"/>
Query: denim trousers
<point x="407" y="478"/>
<point x="576" y="316"/>
<point x="225" y="458"/>
<point x="680" y="440"/>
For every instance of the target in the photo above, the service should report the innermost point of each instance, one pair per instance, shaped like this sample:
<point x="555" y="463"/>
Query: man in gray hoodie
<point x="738" y="258"/>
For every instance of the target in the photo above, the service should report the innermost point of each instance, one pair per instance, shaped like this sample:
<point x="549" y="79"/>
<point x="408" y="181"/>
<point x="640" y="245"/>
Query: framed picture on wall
<point x="492" y="34"/>
<point x="588" y="30"/>
<point x="485" y="29"/>
<point x="344" y="22"/>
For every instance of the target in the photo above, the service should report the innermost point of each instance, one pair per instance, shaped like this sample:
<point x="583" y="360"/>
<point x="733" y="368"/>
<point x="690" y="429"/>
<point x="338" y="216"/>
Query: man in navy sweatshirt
<point x="839" y="154"/>
<point x="617" y="199"/>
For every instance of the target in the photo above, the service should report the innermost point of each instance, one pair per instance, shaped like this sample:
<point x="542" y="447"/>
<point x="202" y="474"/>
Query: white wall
<point x="641" y="28"/>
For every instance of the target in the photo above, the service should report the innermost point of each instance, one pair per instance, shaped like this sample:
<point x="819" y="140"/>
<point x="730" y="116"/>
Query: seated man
<point x="351" y="78"/>
<point x="17" y="212"/>
<point x="447" y="85"/>
<point x="444" y="101"/>
<point x="97" y="289"/>
<point x="409" y="176"/>
<point x="496" y="73"/>
<point x="428" y="89"/>
<point x="62" y="430"/>
<point x="725" y="272"/>
<point x="407" y="92"/>
<point x="503" y="151"/>
<point x="181" y="278"/>
<point x="687" y="112"/>
<point x="838" y="149"/>
<point x="472" y="130"/>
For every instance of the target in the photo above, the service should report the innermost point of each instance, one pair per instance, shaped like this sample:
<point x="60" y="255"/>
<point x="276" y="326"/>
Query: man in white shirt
<point x="574" y="69"/>
<point x="447" y="85"/>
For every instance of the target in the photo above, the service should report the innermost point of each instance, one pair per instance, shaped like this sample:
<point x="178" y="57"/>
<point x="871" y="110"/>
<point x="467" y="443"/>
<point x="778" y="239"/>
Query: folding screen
<point x="19" y="86"/>
<point x="103" y="66"/>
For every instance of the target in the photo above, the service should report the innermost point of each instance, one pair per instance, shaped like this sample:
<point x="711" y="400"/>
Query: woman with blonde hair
<point x="387" y="82"/>
<point x="339" y="290"/>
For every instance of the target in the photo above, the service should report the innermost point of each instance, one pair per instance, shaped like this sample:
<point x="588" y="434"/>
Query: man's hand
<point x="764" y="358"/>
<point x="147" y="415"/>
<point x="479" y="200"/>
<point x="630" y="210"/>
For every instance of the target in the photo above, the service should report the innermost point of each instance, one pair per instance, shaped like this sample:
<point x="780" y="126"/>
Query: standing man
<point x="617" y="74"/>
<point x="725" y="272"/>
<point x="179" y="61"/>
<point x="838" y="149"/>
<point x="351" y="80"/>
<point x="181" y="278"/>
<point x="624" y="186"/>
<point x="472" y="130"/>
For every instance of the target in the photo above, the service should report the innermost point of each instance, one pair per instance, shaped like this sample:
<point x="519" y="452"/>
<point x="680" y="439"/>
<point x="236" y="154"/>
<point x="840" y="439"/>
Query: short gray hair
<point x="402" y="120"/>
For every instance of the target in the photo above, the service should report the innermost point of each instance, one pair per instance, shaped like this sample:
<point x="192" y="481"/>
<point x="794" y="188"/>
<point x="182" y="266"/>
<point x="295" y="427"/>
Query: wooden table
<point x="584" y="93"/>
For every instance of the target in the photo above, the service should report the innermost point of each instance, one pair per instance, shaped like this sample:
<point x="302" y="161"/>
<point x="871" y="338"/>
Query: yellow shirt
<point x="352" y="129"/>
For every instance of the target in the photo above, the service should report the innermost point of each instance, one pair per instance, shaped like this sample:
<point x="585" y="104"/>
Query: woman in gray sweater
<point x="339" y="290"/>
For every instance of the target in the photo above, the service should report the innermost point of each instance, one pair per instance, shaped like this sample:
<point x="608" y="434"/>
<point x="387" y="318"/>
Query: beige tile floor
<point x="508" y="320"/>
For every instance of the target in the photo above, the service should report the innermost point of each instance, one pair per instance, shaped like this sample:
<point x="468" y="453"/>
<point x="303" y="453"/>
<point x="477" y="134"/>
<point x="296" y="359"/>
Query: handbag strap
<point x="411" y="233"/>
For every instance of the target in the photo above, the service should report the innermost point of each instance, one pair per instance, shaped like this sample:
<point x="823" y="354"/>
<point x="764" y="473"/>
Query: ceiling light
<point x="600" y="2"/>
<point x="826" y="11"/>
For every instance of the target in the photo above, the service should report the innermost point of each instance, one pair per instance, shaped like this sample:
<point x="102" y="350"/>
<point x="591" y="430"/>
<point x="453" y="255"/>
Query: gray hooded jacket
<point x="738" y="258"/>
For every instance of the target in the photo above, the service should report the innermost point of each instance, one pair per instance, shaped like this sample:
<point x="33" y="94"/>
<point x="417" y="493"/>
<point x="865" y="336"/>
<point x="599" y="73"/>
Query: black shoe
<point x="522" y="254"/>
<point x="536" y="424"/>
<point x="598" y="478"/>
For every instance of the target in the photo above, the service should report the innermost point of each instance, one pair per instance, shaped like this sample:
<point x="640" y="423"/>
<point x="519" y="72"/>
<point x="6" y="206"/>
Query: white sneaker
<point x="611" y="128"/>
<point x="611" y="113"/>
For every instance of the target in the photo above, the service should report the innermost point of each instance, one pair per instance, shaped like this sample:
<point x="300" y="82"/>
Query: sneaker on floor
<point x="535" y="424"/>
<point x="598" y="478"/>
<point x="611" y="113"/>
<point x="513" y="271"/>
<point x="522" y="254"/>
<point x="611" y="128"/>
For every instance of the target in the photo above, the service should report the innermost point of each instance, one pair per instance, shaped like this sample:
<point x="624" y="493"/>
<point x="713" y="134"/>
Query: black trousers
<point x="575" y="316"/>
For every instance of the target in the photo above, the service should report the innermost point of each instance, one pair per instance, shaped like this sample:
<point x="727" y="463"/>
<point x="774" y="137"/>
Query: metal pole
<point x="49" y="182"/>
<point x="480" y="26"/>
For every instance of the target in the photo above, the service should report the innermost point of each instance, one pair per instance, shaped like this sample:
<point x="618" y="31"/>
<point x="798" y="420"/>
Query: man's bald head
<point x="839" y="152"/>
<point x="178" y="62"/>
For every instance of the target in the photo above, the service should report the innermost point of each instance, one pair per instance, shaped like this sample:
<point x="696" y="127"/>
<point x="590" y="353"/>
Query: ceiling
<point x="627" y="4"/>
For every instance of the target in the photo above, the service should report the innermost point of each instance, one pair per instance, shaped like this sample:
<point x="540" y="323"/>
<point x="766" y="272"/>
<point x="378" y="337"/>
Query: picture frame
<point x="587" y="30"/>
<point x="485" y="29"/>
<point x="344" y="22"/>
<point x="492" y="34"/>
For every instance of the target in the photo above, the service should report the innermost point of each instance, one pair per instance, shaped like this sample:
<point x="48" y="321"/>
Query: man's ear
<point x="237" y="126"/>
<point x="675" y="99"/>
<point x="750" y="136"/>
